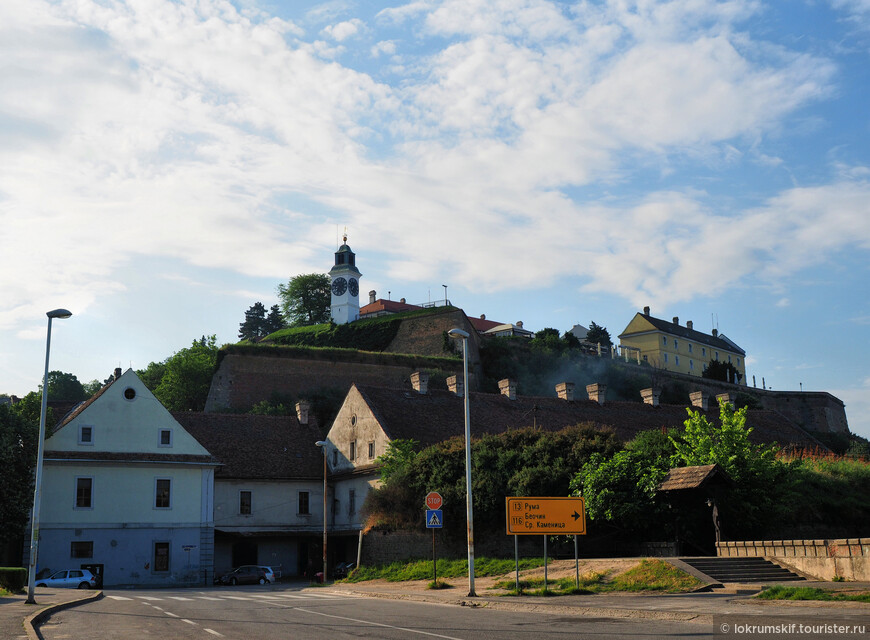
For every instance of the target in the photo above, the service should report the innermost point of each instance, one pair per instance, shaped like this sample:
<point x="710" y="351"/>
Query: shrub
<point x="13" y="578"/>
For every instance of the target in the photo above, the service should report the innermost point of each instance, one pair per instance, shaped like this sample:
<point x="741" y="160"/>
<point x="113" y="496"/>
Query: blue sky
<point x="164" y="165"/>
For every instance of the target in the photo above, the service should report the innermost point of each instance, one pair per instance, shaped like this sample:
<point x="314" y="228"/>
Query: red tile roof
<point x="482" y="325"/>
<point x="257" y="447"/>
<point x="390" y="306"/>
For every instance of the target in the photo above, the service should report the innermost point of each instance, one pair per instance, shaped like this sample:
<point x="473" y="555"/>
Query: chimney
<point x="302" y="408"/>
<point x="508" y="388"/>
<point x="689" y="324"/>
<point x="520" y="324"/>
<point x="596" y="392"/>
<point x="646" y="311"/>
<point x="456" y="385"/>
<point x="700" y="400"/>
<point x="117" y="373"/>
<point x="728" y="398"/>
<point x="676" y="320"/>
<point x="651" y="396"/>
<point x="483" y="316"/>
<point x="565" y="391"/>
<point x="420" y="382"/>
<point x="715" y="332"/>
<point x="372" y="296"/>
<point x="402" y="300"/>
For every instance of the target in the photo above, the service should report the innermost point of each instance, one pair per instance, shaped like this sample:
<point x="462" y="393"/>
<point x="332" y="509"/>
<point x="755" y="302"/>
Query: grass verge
<point x="422" y="569"/>
<point x="779" y="592"/>
<point x="648" y="575"/>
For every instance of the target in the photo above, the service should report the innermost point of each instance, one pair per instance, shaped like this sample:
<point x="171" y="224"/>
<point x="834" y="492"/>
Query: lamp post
<point x="463" y="335"/>
<point x="322" y="445"/>
<point x="37" y="489"/>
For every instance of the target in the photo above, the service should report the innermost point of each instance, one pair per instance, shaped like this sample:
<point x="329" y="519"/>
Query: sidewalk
<point x="703" y="608"/>
<point x="14" y="612"/>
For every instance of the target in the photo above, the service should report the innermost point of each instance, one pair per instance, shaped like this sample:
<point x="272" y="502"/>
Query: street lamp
<point x="463" y="335"/>
<point x="322" y="444"/>
<point x="37" y="490"/>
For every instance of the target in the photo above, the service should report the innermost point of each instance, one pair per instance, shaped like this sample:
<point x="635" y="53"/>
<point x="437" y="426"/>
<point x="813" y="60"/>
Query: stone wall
<point x="847" y="558"/>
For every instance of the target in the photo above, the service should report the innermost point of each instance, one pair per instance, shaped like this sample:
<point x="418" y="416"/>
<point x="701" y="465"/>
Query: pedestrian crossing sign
<point x="434" y="519"/>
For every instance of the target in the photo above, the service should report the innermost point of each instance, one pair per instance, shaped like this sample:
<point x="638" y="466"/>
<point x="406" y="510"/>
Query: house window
<point x="161" y="557"/>
<point x="352" y="455"/>
<point x="677" y="360"/>
<point x="130" y="393"/>
<point x="666" y="358"/>
<point x="304" y="509"/>
<point x="351" y="502"/>
<point x="84" y="493"/>
<point x="703" y="352"/>
<point x="371" y="450"/>
<point x="690" y="348"/>
<point x="78" y="549"/>
<point x="738" y="362"/>
<point x="692" y="364"/>
<point x="729" y="357"/>
<point x="335" y="457"/>
<point x="665" y="341"/>
<point x="676" y="345"/>
<point x="86" y="435"/>
<point x="717" y="355"/>
<point x="165" y="438"/>
<point x="244" y="503"/>
<point x="162" y="493"/>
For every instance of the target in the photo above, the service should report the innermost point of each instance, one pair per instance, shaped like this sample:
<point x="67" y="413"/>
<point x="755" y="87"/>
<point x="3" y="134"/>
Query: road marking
<point x="214" y="633"/>
<point x="374" y="624"/>
<point x="266" y="597"/>
<point x="148" y="598"/>
<point x="188" y="621"/>
<point x="118" y="598"/>
<point x="208" y="598"/>
<point x="178" y="598"/>
<point x="323" y="595"/>
<point x="170" y="614"/>
<point x="236" y="598"/>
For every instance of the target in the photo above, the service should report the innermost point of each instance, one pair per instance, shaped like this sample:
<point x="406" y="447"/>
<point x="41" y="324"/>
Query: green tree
<point x="598" y="334"/>
<point x="274" y="321"/>
<point x="90" y="388"/>
<point x="758" y="476"/>
<point x="152" y="375"/>
<point x="254" y="325"/>
<point x="64" y="387"/>
<point x="306" y="299"/>
<point x="29" y="407"/>
<point x="725" y="371"/>
<point x="400" y="455"/>
<point x="18" y="443"/>
<point x="187" y="377"/>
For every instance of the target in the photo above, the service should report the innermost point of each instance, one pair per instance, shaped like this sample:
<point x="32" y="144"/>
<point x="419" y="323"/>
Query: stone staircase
<point x="741" y="570"/>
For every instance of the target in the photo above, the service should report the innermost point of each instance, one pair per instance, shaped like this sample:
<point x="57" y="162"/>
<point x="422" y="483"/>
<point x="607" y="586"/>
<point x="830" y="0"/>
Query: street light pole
<point x="463" y="335"/>
<point x="322" y="445"/>
<point x="37" y="489"/>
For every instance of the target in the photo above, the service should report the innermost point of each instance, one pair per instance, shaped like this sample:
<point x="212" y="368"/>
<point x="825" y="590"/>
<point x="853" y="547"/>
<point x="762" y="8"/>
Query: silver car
<point x="70" y="579"/>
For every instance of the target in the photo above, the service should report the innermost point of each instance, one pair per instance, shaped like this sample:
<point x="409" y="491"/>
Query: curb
<point x="32" y="621"/>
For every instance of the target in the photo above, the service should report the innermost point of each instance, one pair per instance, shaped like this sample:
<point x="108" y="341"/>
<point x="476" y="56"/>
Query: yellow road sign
<point x="552" y="516"/>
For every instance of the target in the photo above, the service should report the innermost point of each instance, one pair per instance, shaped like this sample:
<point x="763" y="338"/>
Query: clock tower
<point x="345" y="286"/>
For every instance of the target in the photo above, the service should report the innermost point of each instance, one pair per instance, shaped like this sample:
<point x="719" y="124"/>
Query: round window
<point x="353" y="421"/>
<point x="129" y="393"/>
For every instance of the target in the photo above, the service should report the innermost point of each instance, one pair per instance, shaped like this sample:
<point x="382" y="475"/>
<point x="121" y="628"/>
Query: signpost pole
<point x="517" y="560"/>
<point x="434" y="562"/>
<point x="545" y="563"/>
<point x="576" y="561"/>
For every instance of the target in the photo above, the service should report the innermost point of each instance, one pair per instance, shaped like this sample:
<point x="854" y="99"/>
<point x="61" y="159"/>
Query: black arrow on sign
<point x="575" y="516"/>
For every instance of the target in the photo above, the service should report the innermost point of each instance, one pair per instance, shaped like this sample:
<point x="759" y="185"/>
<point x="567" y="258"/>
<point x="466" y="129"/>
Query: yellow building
<point x="682" y="349"/>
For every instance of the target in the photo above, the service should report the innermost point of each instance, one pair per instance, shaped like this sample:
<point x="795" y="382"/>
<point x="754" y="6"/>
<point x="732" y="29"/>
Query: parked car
<point x="70" y="579"/>
<point x="270" y="575"/>
<point x="246" y="574"/>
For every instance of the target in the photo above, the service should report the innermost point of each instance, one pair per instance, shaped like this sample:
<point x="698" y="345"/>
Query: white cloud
<point x="387" y="47"/>
<point x="344" y="30"/>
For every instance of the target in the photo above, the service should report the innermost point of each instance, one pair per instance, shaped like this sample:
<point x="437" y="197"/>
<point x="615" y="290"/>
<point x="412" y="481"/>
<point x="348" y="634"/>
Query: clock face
<point x="353" y="285"/>
<point x="339" y="286"/>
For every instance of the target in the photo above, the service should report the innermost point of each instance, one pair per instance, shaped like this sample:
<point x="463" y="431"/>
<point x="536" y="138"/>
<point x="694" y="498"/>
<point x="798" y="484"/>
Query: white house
<point x="127" y="491"/>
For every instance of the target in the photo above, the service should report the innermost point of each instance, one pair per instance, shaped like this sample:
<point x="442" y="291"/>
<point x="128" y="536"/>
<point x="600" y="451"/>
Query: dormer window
<point x="86" y="435"/>
<point x="339" y="258"/>
<point x="351" y="259"/>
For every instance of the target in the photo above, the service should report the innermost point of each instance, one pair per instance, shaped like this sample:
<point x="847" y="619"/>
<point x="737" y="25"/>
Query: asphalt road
<point x="249" y="613"/>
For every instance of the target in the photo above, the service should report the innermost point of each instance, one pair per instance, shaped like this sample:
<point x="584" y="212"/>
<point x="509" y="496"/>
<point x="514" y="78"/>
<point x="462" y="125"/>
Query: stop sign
<point x="433" y="500"/>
